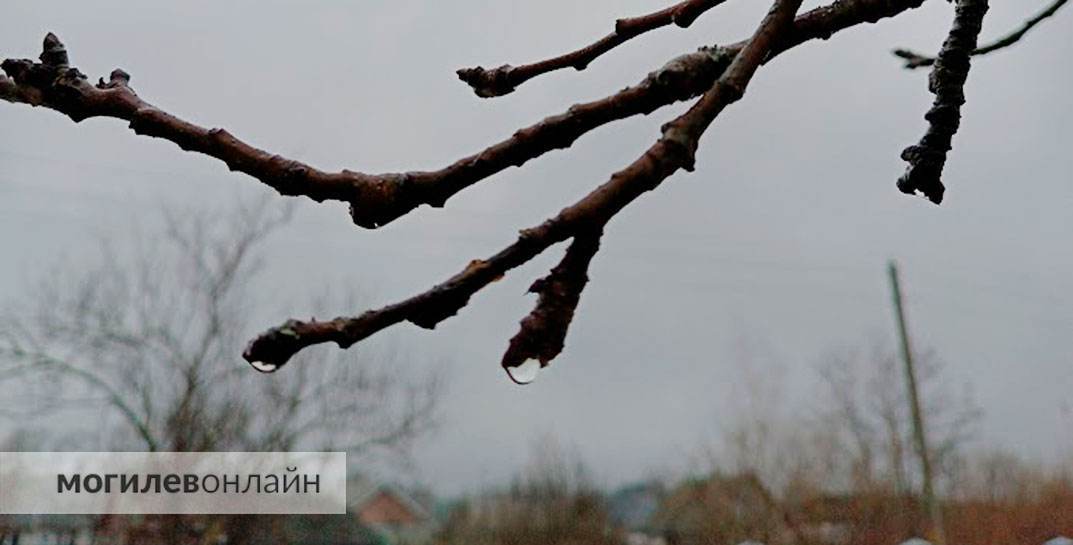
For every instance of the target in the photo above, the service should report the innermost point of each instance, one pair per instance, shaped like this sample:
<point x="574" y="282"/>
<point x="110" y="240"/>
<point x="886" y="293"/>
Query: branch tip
<point x="53" y="52"/>
<point x="488" y="83"/>
<point x="947" y="82"/>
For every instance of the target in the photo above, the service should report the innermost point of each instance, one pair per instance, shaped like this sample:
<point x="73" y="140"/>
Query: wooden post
<point x="920" y="436"/>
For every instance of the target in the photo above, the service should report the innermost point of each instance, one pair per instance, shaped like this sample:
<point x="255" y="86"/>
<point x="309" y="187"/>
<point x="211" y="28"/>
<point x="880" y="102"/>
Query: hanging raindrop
<point x="524" y="373"/>
<point x="264" y="367"/>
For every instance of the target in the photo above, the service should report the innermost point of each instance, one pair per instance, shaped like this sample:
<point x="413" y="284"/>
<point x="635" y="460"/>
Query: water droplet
<point x="524" y="373"/>
<point x="264" y="367"/>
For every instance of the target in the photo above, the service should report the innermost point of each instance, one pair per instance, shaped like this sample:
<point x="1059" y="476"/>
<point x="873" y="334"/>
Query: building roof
<point x="362" y="490"/>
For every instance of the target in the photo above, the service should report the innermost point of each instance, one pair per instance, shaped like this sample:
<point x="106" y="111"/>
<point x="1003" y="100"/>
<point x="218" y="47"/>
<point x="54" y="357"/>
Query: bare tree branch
<point x="493" y="82"/>
<point x="275" y="347"/>
<point x="947" y="83"/>
<point x="915" y="60"/>
<point x="673" y="151"/>
<point x="115" y="397"/>
<point x="377" y="199"/>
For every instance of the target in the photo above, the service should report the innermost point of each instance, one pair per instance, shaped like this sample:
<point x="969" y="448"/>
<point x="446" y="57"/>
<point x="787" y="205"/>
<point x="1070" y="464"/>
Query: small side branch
<point x="947" y="82"/>
<point x="915" y="60"/>
<point x="673" y="151"/>
<point x="543" y="331"/>
<point x="493" y="82"/>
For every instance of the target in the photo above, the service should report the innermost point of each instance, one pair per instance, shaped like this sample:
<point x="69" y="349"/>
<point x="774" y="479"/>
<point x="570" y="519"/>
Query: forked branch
<point x="543" y="332"/>
<point x="674" y="150"/>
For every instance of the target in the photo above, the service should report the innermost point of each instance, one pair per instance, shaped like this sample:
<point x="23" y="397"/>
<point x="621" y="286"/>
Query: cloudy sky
<point x="779" y="238"/>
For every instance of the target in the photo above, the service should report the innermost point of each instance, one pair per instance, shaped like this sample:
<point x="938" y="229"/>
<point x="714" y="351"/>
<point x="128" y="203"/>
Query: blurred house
<point x="631" y="509"/>
<point x="720" y="509"/>
<point x="399" y="515"/>
<point x="377" y="514"/>
<point x="841" y="519"/>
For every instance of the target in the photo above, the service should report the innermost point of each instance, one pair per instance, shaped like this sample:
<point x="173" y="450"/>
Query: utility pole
<point x="919" y="434"/>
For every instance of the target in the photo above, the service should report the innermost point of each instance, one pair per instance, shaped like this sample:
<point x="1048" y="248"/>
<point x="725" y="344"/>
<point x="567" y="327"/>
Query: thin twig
<point x="947" y="82"/>
<point x="674" y="150"/>
<point x="377" y="199"/>
<point x="915" y="60"/>
<point x="493" y="82"/>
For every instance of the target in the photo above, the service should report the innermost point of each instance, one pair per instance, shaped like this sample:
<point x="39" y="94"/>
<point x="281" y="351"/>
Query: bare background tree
<point x="552" y="501"/>
<point x="781" y="458"/>
<point x="854" y="435"/>
<point x="145" y="335"/>
<point x="867" y="413"/>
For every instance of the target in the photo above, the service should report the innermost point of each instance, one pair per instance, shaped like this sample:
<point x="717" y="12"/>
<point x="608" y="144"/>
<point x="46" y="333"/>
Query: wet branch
<point x="720" y="74"/>
<point x="377" y="199"/>
<point x="947" y="82"/>
<point x="915" y="60"/>
<point x="493" y="82"/>
<point x="674" y="150"/>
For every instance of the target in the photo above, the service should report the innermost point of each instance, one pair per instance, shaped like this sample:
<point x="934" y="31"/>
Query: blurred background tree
<point x="553" y="502"/>
<point x="144" y="337"/>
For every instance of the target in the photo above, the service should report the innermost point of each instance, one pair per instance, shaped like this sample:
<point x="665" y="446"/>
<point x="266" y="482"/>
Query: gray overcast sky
<point x="780" y="235"/>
